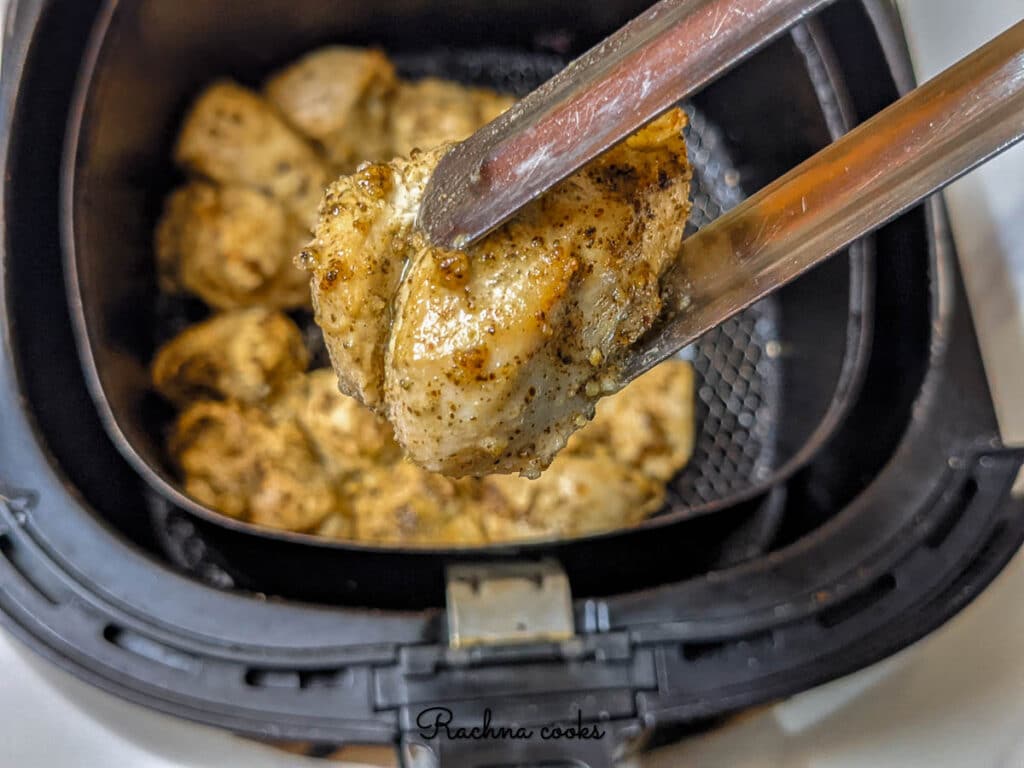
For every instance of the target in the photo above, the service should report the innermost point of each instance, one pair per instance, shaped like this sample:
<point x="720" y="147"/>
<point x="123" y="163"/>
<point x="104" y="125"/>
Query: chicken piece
<point x="234" y="136"/>
<point x="406" y="505"/>
<point x="430" y="112"/>
<point x="485" y="361"/>
<point x="239" y="461"/>
<point x="340" y="97"/>
<point x="232" y="247"/>
<point x="391" y="500"/>
<point x="649" y="425"/>
<point x="613" y="471"/>
<point x="243" y="354"/>
<point x="577" y="495"/>
<point x="337" y="525"/>
<point x="356" y="270"/>
<point x="347" y="435"/>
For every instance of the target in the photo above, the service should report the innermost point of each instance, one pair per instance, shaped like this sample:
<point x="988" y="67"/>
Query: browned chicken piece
<point x="234" y="136"/>
<point x="431" y="112"/>
<point x="612" y="473"/>
<point x="340" y="97"/>
<point x="232" y="247"/>
<point x="649" y="425"/>
<point x="243" y="354"/>
<point x="577" y="495"/>
<point x="391" y="500"/>
<point x="356" y="271"/>
<point x="337" y="525"/>
<point x="406" y="505"/>
<point x="486" y="361"/>
<point x="348" y="436"/>
<point x="241" y="462"/>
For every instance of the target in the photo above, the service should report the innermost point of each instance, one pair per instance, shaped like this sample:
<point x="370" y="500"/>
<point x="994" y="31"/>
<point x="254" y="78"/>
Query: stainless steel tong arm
<point x="929" y="138"/>
<point x="667" y="53"/>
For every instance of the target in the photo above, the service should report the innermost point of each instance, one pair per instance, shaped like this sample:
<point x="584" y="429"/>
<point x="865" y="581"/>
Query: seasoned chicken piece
<point x="612" y="473"/>
<point x="486" y="361"/>
<point x="242" y="354"/>
<point x="649" y="425"/>
<point x="391" y="500"/>
<point x="347" y="435"/>
<point x="232" y="247"/>
<point x="404" y="504"/>
<point x="357" y="260"/>
<point x="241" y="462"/>
<point x="430" y="112"/>
<point x="340" y="97"/>
<point x="337" y="525"/>
<point x="233" y="136"/>
<point x="577" y="495"/>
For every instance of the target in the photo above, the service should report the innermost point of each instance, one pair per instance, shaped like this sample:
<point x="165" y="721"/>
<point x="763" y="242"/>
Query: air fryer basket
<point x="738" y="364"/>
<point x="768" y="393"/>
<point x="900" y="517"/>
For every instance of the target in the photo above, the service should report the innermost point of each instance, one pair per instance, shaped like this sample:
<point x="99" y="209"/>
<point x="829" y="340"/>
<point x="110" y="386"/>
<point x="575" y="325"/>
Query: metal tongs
<point x="926" y="140"/>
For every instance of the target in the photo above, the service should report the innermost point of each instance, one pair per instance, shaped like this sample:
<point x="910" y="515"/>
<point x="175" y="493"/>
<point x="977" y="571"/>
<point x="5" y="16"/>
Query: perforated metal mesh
<point x="736" y="366"/>
<point x="508" y="71"/>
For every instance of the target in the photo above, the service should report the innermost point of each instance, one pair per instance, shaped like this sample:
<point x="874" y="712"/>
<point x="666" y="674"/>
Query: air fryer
<point x="870" y="505"/>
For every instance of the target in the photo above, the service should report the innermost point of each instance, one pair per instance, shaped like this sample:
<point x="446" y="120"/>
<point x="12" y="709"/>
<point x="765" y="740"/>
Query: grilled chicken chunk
<point x="342" y="98"/>
<point x="351" y="101"/>
<point x="232" y="247"/>
<point x="486" y="361"/>
<point x="577" y="495"/>
<point x="648" y="426"/>
<point x="430" y="112"/>
<point x="238" y="460"/>
<point x="348" y="436"/>
<point x="613" y="471"/>
<point x="357" y="260"/>
<point x="230" y="238"/>
<point x="234" y="136"/>
<point x="242" y="355"/>
<point x="405" y="504"/>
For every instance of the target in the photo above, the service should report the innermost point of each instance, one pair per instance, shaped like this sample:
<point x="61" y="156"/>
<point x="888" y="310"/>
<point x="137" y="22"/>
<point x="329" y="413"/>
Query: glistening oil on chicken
<point x="513" y="341"/>
<point x="485" y="361"/>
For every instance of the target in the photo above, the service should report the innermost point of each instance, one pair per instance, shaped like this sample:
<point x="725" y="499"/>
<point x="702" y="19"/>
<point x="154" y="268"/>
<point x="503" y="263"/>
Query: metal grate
<point x="505" y="70"/>
<point x="737" y="370"/>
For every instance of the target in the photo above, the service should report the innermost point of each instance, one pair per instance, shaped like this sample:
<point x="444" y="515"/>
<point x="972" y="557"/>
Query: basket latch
<point x="502" y="603"/>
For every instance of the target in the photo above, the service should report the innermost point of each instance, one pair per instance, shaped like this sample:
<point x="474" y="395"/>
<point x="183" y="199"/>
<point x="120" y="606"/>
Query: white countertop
<point x="955" y="699"/>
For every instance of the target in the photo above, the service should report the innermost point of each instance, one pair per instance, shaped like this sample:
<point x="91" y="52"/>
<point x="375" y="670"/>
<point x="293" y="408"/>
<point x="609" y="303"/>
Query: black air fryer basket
<point x="849" y="492"/>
